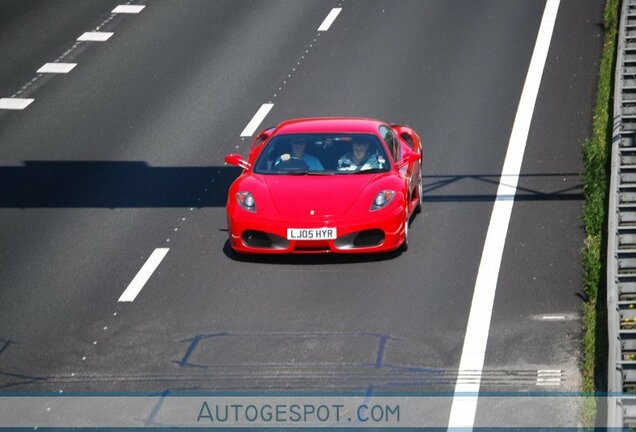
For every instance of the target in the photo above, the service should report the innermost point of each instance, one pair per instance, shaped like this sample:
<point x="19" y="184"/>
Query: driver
<point x="298" y="145"/>
<point x="359" y="159"/>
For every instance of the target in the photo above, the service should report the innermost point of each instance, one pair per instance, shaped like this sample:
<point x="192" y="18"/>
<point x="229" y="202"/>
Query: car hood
<point x="298" y="196"/>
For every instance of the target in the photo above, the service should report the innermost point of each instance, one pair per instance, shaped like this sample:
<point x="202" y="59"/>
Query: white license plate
<point x="311" y="233"/>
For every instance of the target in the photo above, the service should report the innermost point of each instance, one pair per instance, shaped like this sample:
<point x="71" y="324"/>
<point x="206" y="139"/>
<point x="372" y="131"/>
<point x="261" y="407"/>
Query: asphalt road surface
<point x="124" y="154"/>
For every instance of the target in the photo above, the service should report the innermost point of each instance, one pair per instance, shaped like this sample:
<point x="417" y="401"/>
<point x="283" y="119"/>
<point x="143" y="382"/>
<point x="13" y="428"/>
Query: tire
<point x="418" y="207"/>
<point x="405" y="244"/>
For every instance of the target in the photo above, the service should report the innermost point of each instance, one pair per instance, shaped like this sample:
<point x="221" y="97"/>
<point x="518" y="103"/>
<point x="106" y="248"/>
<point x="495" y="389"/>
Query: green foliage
<point x="596" y="156"/>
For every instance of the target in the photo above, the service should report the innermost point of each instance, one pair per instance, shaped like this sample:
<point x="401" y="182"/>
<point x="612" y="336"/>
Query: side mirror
<point x="408" y="158"/>
<point x="237" y="160"/>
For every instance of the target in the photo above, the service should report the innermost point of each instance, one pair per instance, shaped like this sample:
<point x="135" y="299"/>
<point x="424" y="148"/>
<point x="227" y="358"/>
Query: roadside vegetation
<point x="596" y="160"/>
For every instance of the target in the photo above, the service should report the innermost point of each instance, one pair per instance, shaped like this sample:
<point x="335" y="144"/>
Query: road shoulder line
<point x="464" y="405"/>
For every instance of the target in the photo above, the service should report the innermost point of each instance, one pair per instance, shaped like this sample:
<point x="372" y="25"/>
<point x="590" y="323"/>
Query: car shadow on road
<point x="107" y="184"/>
<point x="308" y="259"/>
<point x="135" y="184"/>
<point x="560" y="187"/>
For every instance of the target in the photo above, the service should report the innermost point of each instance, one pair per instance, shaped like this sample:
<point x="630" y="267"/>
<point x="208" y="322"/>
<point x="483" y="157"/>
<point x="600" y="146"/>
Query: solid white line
<point x="474" y="350"/>
<point x="144" y="274"/>
<point x="95" y="36"/>
<point x="130" y="9"/>
<point x="15" y="103"/>
<point x="57" y="68"/>
<point x="256" y="120"/>
<point x="331" y="17"/>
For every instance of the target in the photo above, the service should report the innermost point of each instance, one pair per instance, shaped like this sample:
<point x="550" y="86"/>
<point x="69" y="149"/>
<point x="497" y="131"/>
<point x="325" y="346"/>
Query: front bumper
<point x="382" y="231"/>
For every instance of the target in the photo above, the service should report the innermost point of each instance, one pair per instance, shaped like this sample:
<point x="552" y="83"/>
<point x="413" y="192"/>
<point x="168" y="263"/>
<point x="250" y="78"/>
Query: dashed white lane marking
<point x="129" y="9"/>
<point x="553" y="317"/>
<point x="95" y="36"/>
<point x="257" y="119"/>
<point x="57" y="68"/>
<point x="144" y="274"/>
<point x="464" y="407"/>
<point x="330" y="18"/>
<point x="15" y="103"/>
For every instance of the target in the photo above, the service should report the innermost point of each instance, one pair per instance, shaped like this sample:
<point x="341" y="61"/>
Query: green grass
<point x="596" y="156"/>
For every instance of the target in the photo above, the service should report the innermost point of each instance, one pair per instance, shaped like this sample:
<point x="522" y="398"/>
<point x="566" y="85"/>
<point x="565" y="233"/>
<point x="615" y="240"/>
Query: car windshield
<point x="322" y="154"/>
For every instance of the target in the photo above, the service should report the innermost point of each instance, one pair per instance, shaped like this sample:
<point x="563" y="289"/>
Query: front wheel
<point x="418" y="207"/>
<point x="405" y="244"/>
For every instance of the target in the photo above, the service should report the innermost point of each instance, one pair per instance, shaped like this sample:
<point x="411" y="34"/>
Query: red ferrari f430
<point x="322" y="185"/>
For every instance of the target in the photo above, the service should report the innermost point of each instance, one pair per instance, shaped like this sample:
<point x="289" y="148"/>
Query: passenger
<point x="298" y="145"/>
<point x="359" y="159"/>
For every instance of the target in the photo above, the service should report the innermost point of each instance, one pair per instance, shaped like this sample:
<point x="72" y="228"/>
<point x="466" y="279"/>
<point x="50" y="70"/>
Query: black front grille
<point x="366" y="238"/>
<point x="312" y="248"/>
<point x="257" y="239"/>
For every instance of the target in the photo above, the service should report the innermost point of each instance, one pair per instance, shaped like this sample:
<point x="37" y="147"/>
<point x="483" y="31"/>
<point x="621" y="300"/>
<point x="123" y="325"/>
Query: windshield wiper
<point x="295" y="172"/>
<point x="369" y="171"/>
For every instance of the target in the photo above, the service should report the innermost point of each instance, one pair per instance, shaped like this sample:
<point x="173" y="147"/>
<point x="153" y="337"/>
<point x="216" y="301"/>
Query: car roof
<point x="329" y="125"/>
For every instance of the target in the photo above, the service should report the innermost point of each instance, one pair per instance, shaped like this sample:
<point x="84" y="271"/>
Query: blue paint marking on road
<point x="194" y="342"/>
<point x="367" y="397"/>
<point x="150" y="421"/>
<point x="385" y="375"/>
<point x="368" y="394"/>
<point x="25" y="379"/>
<point x="4" y="344"/>
<point x="380" y="357"/>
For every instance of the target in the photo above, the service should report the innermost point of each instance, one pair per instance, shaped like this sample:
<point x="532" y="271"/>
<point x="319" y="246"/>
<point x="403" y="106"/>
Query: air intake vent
<point x="368" y="238"/>
<point x="257" y="239"/>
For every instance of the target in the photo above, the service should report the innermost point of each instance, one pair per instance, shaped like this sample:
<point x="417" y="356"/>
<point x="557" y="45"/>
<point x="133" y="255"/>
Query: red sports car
<point x="320" y="185"/>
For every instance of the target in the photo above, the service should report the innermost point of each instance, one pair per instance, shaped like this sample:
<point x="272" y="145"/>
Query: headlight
<point x="382" y="199"/>
<point x="246" y="200"/>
